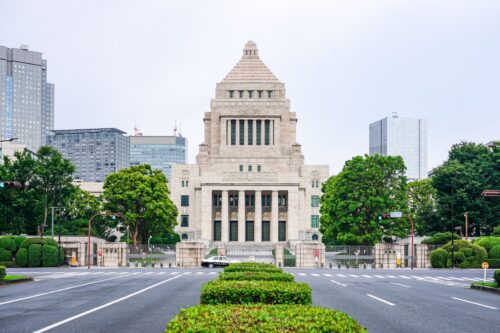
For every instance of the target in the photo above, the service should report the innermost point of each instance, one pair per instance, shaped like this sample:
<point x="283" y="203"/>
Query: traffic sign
<point x="99" y="253"/>
<point x="316" y="252"/>
<point x="396" y="214"/>
<point x="485" y="265"/>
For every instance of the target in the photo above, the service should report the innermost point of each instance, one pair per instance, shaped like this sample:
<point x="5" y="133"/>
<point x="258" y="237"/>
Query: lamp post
<point x="149" y="247"/>
<point x="90" y="224"/>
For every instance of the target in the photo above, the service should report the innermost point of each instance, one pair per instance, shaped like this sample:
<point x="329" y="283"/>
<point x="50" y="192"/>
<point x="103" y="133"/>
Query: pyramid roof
<point x="250" y="69"/>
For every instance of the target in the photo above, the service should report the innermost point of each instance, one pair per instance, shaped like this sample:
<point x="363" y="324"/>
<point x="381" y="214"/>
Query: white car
<point x="217" y="261"/>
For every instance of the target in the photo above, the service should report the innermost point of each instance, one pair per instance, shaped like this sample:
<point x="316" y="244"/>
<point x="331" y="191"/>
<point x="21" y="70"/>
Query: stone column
<point x="225" y="217"/>
<point x="241" y="216"/>
<point x="258" y="217"/>
<point x="274" y="217"/>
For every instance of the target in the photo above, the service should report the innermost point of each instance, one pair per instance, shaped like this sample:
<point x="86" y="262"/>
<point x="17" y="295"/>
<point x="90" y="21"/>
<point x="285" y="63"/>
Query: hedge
<point x="49" y="256"/>
<point x="2" y="272"/>
<point x="35" y="255"/>
<point x="19" y="240"/>
<point x="466" y="255"/>
<point x="30" y="241"/>
<point x="7" y="263"/>
<point x="22" y="258"/>
<point x="487" y="242"/>
<point x="439" y="258"/>
<point x="243" y="292"/>
<point x="262" y="318"/>
<point x="496" y="276"/>
<point x="263" y="276"/>
<point x="494" y="252"/>
<point x="5" y="255"/>
<point x="253" y="267"/>
<point x="440" y="238"/>
<point x="8" y="243"/>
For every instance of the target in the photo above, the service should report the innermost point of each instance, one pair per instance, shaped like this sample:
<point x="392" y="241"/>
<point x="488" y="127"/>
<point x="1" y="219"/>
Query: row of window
<point x="184" y="183"/>
<point x="249" y="200"/>
<point x="250" y="168"/>
<point x="250" y="93"/>
<point x="231" y="126"/>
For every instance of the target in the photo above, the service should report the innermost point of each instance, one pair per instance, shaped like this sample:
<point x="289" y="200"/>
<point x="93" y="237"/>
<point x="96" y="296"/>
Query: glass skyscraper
<point x="405" y="137"/>
<point x="95" y="152"/>
<point x="26" y="99"/>
<point x="161" y="152"/>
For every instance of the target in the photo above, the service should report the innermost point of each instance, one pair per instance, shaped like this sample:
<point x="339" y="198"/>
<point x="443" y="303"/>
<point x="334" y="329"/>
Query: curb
<point x="485" y="288"/>
<point x="23" y="280"/>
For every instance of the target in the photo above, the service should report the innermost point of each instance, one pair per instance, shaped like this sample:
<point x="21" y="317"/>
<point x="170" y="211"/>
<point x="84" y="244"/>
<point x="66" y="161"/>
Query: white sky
<point x="345" y="64"/>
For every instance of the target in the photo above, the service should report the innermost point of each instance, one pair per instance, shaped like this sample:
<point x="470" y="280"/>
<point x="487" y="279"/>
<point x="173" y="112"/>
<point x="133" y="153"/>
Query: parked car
<point x="217" y="261"/>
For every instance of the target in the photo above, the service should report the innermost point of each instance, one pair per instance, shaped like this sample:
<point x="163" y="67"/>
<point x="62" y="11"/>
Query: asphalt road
<point x="144" y="300"/>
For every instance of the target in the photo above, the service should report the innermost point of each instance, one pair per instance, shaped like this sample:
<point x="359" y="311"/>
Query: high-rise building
<point x="27" y="100"/>
<point x="95" y="152"/>
<point x="161" y="152"/>
<point x="249" y="183"/>
<point x="405" y="137"/>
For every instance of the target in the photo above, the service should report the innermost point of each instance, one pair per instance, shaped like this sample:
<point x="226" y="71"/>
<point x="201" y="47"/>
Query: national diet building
<point x="249" y="183"/>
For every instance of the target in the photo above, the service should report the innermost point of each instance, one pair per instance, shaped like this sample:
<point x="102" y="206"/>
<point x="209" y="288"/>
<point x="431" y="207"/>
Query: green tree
<point x="422" y="206"/>
<point x="470" y="169"/>
<point x="353" y="201"/>
<point x="141" y="195"/>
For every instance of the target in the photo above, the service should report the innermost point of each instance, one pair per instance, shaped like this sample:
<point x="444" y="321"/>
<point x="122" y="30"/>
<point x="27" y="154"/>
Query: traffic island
<point x="13" y="279"/>
<point x="486" y="286"/>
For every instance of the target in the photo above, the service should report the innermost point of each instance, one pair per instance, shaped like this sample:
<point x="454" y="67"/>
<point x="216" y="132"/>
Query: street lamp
<point x="90" y="224"/>
<point x="149" y="247"/>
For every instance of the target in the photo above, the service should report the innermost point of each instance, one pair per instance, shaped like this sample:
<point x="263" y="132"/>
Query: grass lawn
<point x="488" y="284"/>
<point x="14" y="277"/>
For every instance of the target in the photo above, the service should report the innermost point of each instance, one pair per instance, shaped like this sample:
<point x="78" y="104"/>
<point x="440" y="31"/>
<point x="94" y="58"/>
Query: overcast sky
<point x="345" y="64"/>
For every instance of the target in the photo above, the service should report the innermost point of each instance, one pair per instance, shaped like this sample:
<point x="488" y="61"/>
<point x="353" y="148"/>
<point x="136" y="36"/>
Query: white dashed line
<point x="466" y="301"/>
<point x="355" y="276"/>
<point x="329" y="275"/>
<point x="340" y="284"/>
<point x="314" y="274"/>
<point x="379" y="276"/>
<point x="400" y="284"/>
<point x="367" y="276"/>
<point x="302" y="274"/>
<point x="380" y="299"/>
<point x="341" y="275"/>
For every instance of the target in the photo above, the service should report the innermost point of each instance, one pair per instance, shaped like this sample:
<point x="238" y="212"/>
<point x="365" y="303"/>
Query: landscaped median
<point x="10" y="279"/>
<point x="489" y="286"/>
<point x="254" y="297"/>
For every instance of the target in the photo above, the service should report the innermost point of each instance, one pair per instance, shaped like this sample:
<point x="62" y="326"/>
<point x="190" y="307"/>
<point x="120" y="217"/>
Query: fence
<point x="350" y="256"/>
<point x="157" y="255"/>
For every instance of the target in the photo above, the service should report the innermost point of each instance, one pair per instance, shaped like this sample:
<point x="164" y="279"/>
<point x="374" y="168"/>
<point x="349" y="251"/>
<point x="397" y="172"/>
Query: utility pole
<point x="466" y="215"/>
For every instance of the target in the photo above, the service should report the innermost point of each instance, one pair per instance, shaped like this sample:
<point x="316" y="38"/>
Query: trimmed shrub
<point x="494" y="263"/>
<point x="439" y="258"/>
<point x="496" y="276"/>
<point x="262" y="318"/>
<point x="494" y="253"/>
<point x="440" y="238"/>
<point x="49" y="256"/>
<point x="5" y="255"/>
<point x="50" y="241"/>
<point x="22" y="258"/>
<point x="478" y="256"/>
<point x="8" y="243"/>
<point x="253" y="267"/>
<point x="261" y="276"/>
<point x="19" y="240"/>
<point x="35" y="255"/>
<point x="244" y="292"/>
<point x="30" y="241"/>
<point x="496" y="231"/>
<point x="7" y="263"/>
<point x="3" y="273"/>
<point x="488" y="242"/>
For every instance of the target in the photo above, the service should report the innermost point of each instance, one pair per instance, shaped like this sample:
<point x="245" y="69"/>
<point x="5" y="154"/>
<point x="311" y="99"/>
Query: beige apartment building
<point x="249" y="183"/>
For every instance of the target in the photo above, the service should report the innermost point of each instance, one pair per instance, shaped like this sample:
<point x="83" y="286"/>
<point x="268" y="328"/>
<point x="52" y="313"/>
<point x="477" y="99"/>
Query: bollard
<point x="169" y="264"/>
<point x="346" y="265"/>
<point x="364" y="266"/>
<point x="152" y="265"/>
<point x="330" y="265"/>
<point x="339" y="265"/>
<point x="136" y="264"/>
<point x="161" y="265"/>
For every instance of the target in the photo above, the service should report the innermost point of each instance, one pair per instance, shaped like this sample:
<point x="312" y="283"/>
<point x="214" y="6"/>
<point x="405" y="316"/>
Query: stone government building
<point x="249" y="184"/>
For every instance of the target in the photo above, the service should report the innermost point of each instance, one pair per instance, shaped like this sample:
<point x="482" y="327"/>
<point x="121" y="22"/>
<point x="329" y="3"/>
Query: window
<point x="258" y="129"/>
<point x="184" y="221"/>
<point x="260" y="93"/>
<point x="315" y="201"/>
<point x="242" y="132"/>
<point x="241" y="93"/>
<point x="184" y="236"/>
<point x="314" y="221"/>
<point x="282" y="200"/>
<point x="249" y="200"/>
<point x="250" y="132"/>
<point x="250" y="94"/>
<point x="217" y="200"/>
<point x="241" y="167"/>
<point x="233" y="231"/>
<point x="266" y="200"/>
<point x="269" y="93"/>
<point x="231" y="92"/>
<point x="282" y="231"/>
<point x="249" y="231"/>
<point x="233" y="132"/>
<point x="186" y="183"/>
<point x="266" y="231"/>
<point x="315" y="237"/>
<point x="182" y="183"/>
<point x="184" y="200"/>
<point x="315" y="184"/>
<point x="217" y="231"/>
<point x="233" y="200"/>
<point x="249" y="168"/>
<point x="266" y="134"/>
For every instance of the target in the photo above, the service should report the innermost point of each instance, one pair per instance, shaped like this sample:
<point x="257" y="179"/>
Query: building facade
<point x="405" y="137"/>
<point x="95" y="152"/>
<point x="26" y="98"/>
<point x="161" y="152"/>
<point x="249" y="183"/>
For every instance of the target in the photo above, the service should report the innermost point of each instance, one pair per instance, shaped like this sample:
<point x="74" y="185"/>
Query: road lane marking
<point x="380" y="299"/>
<point x="147" y="273"/>
<point x="59" y="290"/>
<point x="212" y="273"/>
<point x="405" y="277"/>
<point x="302" y="274"/>
<point x="313" y="274"/>
<point x="400" y="284"/>
<point x="391" y="276"/>
<point x="173" y="273"/>
<point x="340" y="284"/>
<point x="329" y="275"/>
<point x="104" y="305"/>
<point x="379" y="276"/>
<point x="200" y="273"/>
<point x="161" y="273"/>
<point x="341" y="275"/>
<point x="366" y="276"/>
<point x="356" y="276"/>
<point x="187" y="273"/>
<point x="466" y="301"/>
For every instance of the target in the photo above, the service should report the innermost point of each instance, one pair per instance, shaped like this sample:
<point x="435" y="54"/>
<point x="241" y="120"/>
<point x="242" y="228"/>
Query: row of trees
<point x="140" y="194"/>
<point x="355" y="201"/>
